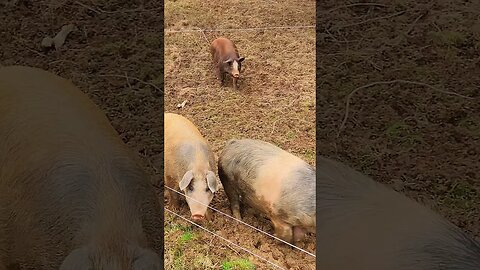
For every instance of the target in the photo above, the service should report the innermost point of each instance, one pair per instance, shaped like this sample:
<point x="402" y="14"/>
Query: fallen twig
<point x="133" y="78"/>
<point x="349" y="97"/>
<point x="415" y="22"/>
<point x="99" y="10"/>
<point x="355" y="5"/>
<point x="369" y="20"/>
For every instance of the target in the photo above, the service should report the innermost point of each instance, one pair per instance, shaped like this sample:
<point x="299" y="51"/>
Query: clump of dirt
<point x="415" y="126"/>
<point x="275" y="102"/>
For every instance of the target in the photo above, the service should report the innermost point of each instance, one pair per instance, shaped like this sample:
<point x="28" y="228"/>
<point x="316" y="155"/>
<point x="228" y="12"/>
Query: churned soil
<point x="411" y="72"/>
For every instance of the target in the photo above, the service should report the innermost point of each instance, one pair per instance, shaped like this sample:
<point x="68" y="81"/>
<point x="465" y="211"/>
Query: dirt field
<point x="419" y="139"/>
<point x="275" y="102"/>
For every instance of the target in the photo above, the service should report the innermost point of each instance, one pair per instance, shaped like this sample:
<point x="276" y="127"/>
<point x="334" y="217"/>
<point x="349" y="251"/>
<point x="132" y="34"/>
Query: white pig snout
<point x="198" y="217"/>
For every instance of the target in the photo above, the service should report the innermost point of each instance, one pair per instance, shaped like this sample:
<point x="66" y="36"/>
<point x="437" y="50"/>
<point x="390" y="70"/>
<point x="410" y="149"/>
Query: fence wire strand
<point x="244" y="223"/>
<point x="239" y="29"/>
<point x="226" y="240"/>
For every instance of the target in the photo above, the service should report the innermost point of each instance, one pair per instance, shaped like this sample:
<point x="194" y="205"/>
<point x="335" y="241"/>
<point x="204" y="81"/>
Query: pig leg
<point x="283" y="230"/>
<point x="298" y="234"/>
<point x="235" y="83"/>
<point x="218" y="74"/>
<point x="174" y="197"/>
<point x="231" y="192"/>
<point x="222" y="78"/>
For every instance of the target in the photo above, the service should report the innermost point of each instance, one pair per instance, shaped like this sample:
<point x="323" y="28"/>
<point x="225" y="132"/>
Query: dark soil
<point x="418" y="139"/>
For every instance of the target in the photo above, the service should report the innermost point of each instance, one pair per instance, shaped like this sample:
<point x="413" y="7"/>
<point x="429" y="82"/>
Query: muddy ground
<point x="422" y="140"/>
<point x="275" y="102"/>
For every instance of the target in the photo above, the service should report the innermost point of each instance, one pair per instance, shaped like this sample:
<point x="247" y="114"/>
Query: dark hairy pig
<point x="364" y="225"/>
<point x="226" y="60"/>
<point x="72" y="195"/>
<point x="272" y="181"/>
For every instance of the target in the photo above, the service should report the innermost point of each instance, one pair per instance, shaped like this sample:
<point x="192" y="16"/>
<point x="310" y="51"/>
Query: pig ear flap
<point x="146" y="260"/>
<point x="78" y="259"/>
<point x="186" y="179"/>
<point x="228" y="61"/>
<point x="241" y="59"/>
<point x="212" y="181"/>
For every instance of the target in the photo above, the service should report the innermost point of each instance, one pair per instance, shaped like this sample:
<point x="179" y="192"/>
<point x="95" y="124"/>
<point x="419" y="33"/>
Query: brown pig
<point x="226" y="60"/>
<point x="189" y="165"/>
<point x="72" y="194"/>
<point x="272" y="181"/>
<point x="364" y="225"/>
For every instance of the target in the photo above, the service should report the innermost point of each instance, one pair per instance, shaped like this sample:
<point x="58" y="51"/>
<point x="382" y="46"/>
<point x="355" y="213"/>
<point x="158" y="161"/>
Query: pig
<point x="72" y="194"/>
<point x="364" y="225"/>
<point x="189" y="164"/>
<point x="272" y="181"/>
<point x="226" y="60"/>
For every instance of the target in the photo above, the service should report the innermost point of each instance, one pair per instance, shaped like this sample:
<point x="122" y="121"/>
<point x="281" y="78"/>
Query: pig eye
<point x="190" y="187"/>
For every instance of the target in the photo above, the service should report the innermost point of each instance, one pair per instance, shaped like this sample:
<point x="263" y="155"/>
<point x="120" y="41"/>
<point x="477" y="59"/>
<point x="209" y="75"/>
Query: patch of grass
<point x="152" y="40"/>
<point x="472" y="125"/>
<point x="403" y="134"/>
<point x="239" y="264"/>
<point x="309" y="155"/>
<point x="187" y="236"/>
<point x="178" y="259"/>
<point x="447" y="38"/>
<point x="396" y="130"/>
<point x="173" y="227"/>
<point x="203" y="262"/>
<point x="462" y="195"/>
<point x="290" y="135"/>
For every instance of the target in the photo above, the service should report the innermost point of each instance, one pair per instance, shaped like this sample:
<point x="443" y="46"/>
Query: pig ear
<point x="78" y="259"/>
<point x="211" y="181"/>
<point x="241" y="59"/>
<point x="187" y="178"/>
<point x="146" y="260"/>
<point x="229" y="61"/>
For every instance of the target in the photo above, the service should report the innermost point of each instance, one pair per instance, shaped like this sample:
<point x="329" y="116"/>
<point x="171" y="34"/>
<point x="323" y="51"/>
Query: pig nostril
<point x="197" y="217"/>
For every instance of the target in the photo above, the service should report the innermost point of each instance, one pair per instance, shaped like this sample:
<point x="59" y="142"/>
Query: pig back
<point x="63" y="169"/>
<point x="271" y="179"/>
<point x="222" y="49"/>
<point x="184" y="146"/>
<point x="366" y="225"/>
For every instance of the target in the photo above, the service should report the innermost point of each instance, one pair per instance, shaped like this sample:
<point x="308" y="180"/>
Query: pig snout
<point x="198" y="212"/>
<point x="236" y="74"/>
<point x="198" y="217"/>
<point x="198" y="207"/>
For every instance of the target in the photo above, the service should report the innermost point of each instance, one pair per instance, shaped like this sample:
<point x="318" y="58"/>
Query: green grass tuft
<point x="240" y="264"/>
